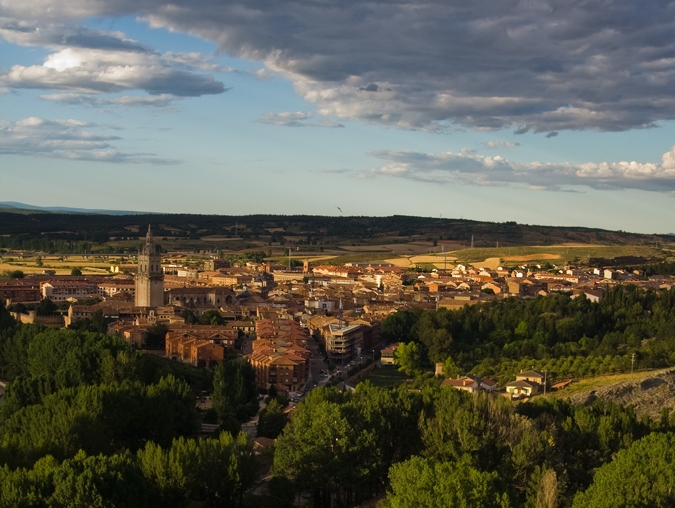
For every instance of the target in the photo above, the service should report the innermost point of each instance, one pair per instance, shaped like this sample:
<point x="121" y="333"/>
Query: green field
<point x="386" y="377"/>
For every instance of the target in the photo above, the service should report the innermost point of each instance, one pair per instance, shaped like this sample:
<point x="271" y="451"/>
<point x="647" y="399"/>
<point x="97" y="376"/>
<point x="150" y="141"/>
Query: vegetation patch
<point x="387" y="376"/>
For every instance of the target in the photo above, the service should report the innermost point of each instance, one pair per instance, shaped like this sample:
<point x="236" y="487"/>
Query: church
<point x="149" y="275"/>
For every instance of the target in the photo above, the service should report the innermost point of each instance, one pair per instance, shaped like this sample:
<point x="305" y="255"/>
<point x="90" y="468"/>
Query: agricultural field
<point x="62" y="265"/>
<point x="557" y="254"/>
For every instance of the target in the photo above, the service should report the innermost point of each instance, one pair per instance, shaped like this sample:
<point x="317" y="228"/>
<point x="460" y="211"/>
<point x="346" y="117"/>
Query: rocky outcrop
<point x="648" y="396"/>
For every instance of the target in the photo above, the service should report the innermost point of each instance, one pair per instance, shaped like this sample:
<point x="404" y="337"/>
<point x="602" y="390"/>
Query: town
<point x="289" y="323"/>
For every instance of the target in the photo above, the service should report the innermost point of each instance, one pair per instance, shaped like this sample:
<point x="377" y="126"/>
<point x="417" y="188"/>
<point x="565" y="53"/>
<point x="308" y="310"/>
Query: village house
<point x="471" y="384"/>
<point x="387" y="354"/>
<point x="197" y="352"/>
<point x="527" y="383"/>
<point x="287" y="330"/>
<point x="117" y="285"/>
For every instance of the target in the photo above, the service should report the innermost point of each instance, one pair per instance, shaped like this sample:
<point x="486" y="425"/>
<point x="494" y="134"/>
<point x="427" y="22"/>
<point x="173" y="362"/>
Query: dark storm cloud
<point x="538" y="66"/>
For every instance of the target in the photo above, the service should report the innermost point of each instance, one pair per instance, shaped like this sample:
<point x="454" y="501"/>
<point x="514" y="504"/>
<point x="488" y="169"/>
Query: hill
<point x="16" y="207"/>
<point x="317" y="231"/>
<point x="648" y="394"/>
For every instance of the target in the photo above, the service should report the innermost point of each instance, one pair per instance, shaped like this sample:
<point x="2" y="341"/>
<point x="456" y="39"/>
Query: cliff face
<point x="648" y="396"/>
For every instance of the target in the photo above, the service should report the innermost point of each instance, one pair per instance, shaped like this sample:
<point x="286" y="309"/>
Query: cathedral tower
<point x="149" y="276"/>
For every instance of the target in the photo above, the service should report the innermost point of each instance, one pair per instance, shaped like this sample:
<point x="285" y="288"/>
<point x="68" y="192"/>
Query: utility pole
<point x="632" y="362"/>
<point x="544" y="382"/>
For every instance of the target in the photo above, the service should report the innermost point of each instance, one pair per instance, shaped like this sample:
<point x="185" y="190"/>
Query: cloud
<point x="96" y="71"/>
<point x="92" y="61"/>
<point x="373" y="87"/>
<point x="468" y="167"/>
<point x="66" y="139"/>
<point x="501" y="144"/>
<point x="332" y="171"/>
<point x="297" y="119"/>
<point x="75" y="99"/>
<point x="544" y="66"/>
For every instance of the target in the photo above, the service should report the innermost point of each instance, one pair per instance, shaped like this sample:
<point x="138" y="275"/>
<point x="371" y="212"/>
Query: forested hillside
<point x="88" y="421"/>
<point x="436" y="446"/>
<point x="558" y="334"/>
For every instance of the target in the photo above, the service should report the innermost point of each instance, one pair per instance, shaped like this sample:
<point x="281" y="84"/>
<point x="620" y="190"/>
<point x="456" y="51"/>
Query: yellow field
<point x="531" y="257"/>
<point x="435" y="259"/>
<point x="490" y="263"/>
<point x="63" y="265"/>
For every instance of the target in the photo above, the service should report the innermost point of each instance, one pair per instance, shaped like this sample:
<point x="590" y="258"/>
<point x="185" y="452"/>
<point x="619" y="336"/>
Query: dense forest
<point x="87" y="420"/>
<point x="567" y="337"/>
<point x="435" y="446"/>
<point x="81" y="233"/>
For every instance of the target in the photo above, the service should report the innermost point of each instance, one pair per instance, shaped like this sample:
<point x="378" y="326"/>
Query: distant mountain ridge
<point x="15" y="206"/>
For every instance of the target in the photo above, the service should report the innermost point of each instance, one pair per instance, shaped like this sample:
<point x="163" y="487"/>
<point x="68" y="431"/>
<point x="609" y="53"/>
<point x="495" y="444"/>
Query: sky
<point x="541" y="112"/>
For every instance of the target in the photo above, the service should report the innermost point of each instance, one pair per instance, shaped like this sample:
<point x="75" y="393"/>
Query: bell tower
<point x="149" y="275"/>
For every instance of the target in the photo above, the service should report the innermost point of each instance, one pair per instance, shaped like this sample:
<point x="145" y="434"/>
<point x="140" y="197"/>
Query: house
<point x="467" y="384"/>
<point x="197" y="351"/>
<point x="532" y="376"/>
<point x="387" y="354"/>
<point x="522" y="389"/>
<point x="471" y="384"/>
<point x="527" y="383"/>
<point x="205" y="353"/>
<point x="524" y="286"/>
<point x="488" y="384"/>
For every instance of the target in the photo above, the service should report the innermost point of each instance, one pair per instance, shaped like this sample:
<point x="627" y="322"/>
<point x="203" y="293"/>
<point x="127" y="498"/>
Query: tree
<point x="397" y="327"/>
<point x="421" y="482"/>
<point x="45" y="308"/>
<point x="234" y="389"/>
<point x="156" y="336"/>
<point x="211" y="317"/>
<point x="408" y="358"/>
<point x="76" y="271"/>
<point x="6" y="319"/>
<point x="215" y="472"/>
<point x="189" y="317"/>
<point x="16" y="274"/>
<point x="99" y="481"/>
<point x="450" y="369"/>
<point x="322" y="452"/>
<point x="640" y="476"/>
<point x="272" y="420"/>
